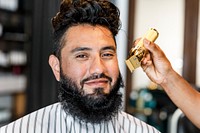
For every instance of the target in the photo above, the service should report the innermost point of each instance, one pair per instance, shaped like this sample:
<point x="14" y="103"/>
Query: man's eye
<point x="107" y="55"/>
<point x="81" y="56"/>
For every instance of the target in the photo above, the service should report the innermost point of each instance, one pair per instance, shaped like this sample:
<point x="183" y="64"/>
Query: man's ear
<point x="55" y="66"/>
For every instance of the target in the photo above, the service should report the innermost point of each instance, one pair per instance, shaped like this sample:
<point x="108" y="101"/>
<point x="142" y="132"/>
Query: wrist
<point x="169" y="78"/>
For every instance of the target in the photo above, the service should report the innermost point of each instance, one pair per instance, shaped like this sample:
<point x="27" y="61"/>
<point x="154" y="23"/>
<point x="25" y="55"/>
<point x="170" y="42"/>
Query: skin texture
<point x="88" y="73"/>
<point x="158" y="68"/>
<point x="84" y="55"/>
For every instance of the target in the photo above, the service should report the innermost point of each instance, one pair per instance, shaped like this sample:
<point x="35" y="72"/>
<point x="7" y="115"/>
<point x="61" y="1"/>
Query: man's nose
<point x="97" y="66"/>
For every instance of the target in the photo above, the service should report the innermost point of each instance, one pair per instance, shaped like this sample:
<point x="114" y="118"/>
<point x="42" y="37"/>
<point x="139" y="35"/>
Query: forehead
<point x="86" y="34"/>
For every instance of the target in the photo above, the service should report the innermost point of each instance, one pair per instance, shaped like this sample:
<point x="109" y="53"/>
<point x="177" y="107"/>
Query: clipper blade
<point x="133" y="63"/>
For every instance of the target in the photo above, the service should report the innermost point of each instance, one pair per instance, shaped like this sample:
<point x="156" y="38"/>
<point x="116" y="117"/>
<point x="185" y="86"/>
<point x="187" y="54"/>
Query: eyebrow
<point x="89" y="49"/>
<point x="109" y="48"/>
<point x="81" y="49"/>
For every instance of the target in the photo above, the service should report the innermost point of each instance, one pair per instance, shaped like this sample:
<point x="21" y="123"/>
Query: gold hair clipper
<point x="137" y="53"/>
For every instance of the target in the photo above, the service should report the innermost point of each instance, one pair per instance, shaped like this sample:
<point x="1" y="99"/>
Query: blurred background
<point x="27" y="82"/>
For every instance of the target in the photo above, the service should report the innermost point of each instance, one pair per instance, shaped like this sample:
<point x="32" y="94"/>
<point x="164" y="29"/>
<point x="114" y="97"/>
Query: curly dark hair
<point x="93" y="12"/>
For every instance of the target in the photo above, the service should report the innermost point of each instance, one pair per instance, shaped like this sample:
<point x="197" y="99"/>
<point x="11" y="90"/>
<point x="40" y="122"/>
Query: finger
<point x="147" y="55"/>
<point x="147" y="64"/>
<point x="146" y="58"/>
<point x="136" y="41"/>
<point x="153" y="48"/>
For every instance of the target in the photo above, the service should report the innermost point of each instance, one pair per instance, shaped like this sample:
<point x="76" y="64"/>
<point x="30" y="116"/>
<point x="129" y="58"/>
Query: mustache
<point x="96" y="76"/>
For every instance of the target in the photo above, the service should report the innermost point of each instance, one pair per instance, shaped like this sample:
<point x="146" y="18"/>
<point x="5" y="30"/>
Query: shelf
<point x="13" y="59"/>
<point x="10" y="5"/>
<point x="12" y="83"/>
<point x="5" y="116"/>
<point x="5" y="108"/>
<point x="15" y="41"/>
<point x="18" y="37"/>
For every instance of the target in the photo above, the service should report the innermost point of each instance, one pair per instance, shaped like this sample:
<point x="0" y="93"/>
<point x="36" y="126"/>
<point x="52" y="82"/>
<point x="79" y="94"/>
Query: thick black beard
<point x="87" y="108"/>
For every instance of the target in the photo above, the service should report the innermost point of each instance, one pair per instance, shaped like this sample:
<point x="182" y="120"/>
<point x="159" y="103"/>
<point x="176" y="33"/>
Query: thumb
<point x="151" y="47"/>
<point x="155" y="50"/>
<point x="147" y="44"/>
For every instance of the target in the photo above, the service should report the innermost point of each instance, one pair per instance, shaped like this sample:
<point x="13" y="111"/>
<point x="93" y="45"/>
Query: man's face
<point x="88" y="73"/>
<point x="88" y="52"/>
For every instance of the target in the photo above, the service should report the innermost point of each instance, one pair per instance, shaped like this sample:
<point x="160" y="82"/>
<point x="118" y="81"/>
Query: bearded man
<point x="85" y="64"/>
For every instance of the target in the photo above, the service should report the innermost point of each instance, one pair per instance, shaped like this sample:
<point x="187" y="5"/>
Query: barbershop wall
<point x="26" y="80"/>
<point x="167" y="16"/>
<point x="198" y="54"/>
<point x="176" y="22"/>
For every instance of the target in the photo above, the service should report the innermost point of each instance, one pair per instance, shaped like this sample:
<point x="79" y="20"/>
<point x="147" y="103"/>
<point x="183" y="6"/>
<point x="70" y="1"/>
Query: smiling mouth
<point x="97" y="82"/>
<point x="97" y="87"/>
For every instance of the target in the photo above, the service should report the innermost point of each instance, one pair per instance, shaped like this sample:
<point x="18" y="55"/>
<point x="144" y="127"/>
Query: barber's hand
<point x="155" y="64"/>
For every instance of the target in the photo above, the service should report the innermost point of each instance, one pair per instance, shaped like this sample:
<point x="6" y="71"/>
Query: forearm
<point x="183" y="95"/>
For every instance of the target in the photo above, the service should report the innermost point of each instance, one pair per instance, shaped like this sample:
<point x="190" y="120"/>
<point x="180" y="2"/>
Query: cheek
<point x="74" y="71"/>
<point x="113" y="70"/>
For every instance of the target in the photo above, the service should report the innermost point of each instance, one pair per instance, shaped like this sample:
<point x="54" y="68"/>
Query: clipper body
<point x="136" y="54"/>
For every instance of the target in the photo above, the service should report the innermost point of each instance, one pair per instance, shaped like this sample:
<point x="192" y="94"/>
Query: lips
<point x="97" y="82"/>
